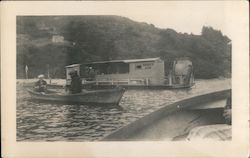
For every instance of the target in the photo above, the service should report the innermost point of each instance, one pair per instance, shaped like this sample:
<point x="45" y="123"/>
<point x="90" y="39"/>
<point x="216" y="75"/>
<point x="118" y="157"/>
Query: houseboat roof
<point x="126" y="61"/>
<point x="73" y="65"/>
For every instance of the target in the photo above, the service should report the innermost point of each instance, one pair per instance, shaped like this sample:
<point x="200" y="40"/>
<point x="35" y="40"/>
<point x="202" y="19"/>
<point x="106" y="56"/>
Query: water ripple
<point x="56" y="122"/>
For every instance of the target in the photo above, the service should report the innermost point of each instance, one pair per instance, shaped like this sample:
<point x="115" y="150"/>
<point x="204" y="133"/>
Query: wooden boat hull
<point x="107" y="96"/>
<point x="174" y="121"/>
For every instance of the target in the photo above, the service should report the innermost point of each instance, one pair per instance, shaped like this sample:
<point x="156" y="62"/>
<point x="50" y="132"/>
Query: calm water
<point x="37" y="121"/>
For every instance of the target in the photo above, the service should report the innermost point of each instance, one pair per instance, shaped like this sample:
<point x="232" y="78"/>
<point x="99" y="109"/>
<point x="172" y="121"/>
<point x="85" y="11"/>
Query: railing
<point x="119" y="82"/>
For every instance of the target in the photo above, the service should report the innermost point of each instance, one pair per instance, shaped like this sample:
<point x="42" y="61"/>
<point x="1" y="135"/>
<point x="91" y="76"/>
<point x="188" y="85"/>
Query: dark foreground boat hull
<point x="174" y="121"/>
<point x="107" y="96"/>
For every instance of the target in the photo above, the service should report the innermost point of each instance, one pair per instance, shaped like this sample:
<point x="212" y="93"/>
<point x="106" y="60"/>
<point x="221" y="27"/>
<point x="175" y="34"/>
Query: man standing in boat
<point x="41" y="84"/>
<point x="76" y="83"/>
<point x="91" y="74"/>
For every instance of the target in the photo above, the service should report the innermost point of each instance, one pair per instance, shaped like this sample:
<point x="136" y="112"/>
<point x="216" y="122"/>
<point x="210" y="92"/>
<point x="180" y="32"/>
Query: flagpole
<point x="49" y="73"/>
<point x="26" y="71"/>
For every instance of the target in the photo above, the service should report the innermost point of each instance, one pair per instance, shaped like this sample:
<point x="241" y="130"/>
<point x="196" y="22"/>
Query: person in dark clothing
<point x="91" y="74"/>
<point x="76" y="83"/>
<point x="41" y="85"/>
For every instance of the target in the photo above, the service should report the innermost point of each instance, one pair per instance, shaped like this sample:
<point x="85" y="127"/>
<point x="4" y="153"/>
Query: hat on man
<point x="73" y="73"/>
<point x="41" y="76"/>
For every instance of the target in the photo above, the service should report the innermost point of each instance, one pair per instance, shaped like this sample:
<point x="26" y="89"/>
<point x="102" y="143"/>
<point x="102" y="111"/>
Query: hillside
<point x="94" y="38"/>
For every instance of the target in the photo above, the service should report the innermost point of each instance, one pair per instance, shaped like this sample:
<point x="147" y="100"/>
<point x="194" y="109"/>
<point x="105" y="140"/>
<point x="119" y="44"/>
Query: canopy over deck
<point x="73" y="65"/>
<point x="125" y="61"/>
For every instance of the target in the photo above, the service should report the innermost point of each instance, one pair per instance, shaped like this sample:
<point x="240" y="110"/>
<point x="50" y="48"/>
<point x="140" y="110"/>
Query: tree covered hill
<point x="95" y="38"/>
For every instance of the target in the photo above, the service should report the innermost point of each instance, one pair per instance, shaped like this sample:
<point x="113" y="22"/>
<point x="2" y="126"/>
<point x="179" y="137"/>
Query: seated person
<point x="76" y="83"/>
<point x="41" y="84"/>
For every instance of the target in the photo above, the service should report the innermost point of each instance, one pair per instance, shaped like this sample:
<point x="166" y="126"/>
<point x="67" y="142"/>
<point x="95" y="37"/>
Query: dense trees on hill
<point x="95" y="38"/>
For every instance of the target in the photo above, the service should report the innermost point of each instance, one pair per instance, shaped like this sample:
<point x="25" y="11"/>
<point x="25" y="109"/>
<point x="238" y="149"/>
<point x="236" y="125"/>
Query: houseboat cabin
<point x="133" y="72"/>
<point x="129" y="72"/>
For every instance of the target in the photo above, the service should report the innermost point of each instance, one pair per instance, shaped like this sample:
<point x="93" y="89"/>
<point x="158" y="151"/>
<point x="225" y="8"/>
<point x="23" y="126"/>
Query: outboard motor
<point x="183" y="72"/>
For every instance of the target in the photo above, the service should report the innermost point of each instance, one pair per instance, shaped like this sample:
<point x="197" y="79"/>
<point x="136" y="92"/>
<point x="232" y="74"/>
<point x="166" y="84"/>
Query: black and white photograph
<point x="126" y="74"/>
<point x="82" y="78"/>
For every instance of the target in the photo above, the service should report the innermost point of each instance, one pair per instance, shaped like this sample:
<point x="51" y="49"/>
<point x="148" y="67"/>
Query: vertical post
<point x="173" y="76"/>
<point x="26" y="71"/>
<point x="170" y="78"/>
<point x="49" y="74"/>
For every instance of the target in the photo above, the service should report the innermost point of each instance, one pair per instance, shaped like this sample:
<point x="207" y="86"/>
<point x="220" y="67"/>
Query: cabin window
<point x="138" y="67"/>
<point x="123" y="68"/>
<point x="111" y="68"/>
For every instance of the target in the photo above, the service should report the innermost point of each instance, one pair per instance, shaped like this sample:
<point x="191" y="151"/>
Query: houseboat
<point x="149" y="73"/>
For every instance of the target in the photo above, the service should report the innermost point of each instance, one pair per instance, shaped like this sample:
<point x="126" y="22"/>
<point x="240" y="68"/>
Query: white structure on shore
<point x="57" y="39"/>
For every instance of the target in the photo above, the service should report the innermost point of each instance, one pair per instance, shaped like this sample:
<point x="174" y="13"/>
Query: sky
<point x="230" y="17"/>
<point x="182" y="16"/>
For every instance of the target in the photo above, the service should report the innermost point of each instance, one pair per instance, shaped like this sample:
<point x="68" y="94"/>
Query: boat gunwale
<point x="166" y="109"/>
<point x="68" y="98"/>
<point x="58" y="94"/>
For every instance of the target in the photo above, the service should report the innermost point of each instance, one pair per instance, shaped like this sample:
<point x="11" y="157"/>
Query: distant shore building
<point x="42" y="26"/>
<point x="57" y="39"/>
